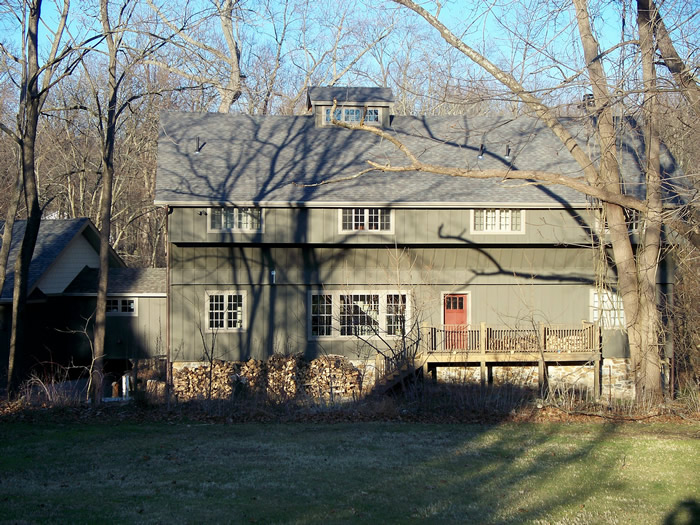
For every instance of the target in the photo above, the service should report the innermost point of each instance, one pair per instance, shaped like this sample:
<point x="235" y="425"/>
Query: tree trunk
<point x="28" y="123"/>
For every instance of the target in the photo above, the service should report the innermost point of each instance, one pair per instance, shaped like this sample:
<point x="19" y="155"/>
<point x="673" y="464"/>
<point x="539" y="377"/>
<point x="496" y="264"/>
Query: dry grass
<point x="92" y="472"/>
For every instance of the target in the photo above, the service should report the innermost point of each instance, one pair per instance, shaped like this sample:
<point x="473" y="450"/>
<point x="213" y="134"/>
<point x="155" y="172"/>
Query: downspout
<point x="168" y="362"/>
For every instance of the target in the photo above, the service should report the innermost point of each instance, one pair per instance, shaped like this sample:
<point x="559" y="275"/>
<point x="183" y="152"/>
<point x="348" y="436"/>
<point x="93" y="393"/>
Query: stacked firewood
<point x="569" y="343"/>
<point x="332" y="375"/>
<point x="514" y="343"/>
<point x="194" y="383"/>
<point x="281" y="378"/>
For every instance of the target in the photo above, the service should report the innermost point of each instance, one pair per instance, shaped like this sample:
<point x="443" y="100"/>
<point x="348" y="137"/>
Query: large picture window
<point x="498" y="221"/>
<point x="225" y="311"/>
<point x="235" y="219"/>
<point x="358" y="314"/>
<point x="366" y="219"/>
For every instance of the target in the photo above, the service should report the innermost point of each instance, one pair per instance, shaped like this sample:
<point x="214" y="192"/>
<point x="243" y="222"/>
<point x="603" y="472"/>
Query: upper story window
<point x="353" y="114"/>
<point x="498" y="221"/>
<point x="235" y="219"/>
<point x="122" y="306"/>
<point x="366" y="219"/>
<point x="633" y="219"/>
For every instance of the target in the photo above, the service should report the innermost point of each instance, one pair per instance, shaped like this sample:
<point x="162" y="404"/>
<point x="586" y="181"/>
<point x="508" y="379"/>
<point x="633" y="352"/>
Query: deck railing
<point x="497" y="339"/>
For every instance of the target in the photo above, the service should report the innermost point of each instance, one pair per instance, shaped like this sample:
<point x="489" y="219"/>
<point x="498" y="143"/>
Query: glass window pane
<point x="215" y="219"/>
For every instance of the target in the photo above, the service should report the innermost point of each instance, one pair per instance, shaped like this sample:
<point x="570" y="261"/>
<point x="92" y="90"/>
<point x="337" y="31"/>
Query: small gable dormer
<point x="374" y="104"/>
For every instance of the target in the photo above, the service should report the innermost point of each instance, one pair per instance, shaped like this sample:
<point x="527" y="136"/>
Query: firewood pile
<point x="332" y="375"/>
<point x="281" y="378"/>
<point x="514" y="343"/>
<point x="193" y="383"/>
<point x="568" y="343"/>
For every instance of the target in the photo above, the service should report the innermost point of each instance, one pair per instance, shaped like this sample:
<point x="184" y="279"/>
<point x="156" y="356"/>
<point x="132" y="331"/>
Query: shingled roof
<point x="121" y="281"/>
<point x="53" y="238"/>
<point x="267" y="160"/>
<point x="349" y="94"/>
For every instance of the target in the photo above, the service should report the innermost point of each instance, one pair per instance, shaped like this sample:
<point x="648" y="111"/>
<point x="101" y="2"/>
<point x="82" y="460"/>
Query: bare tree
<point x="34" y="81"/>
<point x="637" y="266"/>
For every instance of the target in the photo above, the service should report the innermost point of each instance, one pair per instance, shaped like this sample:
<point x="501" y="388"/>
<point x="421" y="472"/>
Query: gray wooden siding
<point x="506" y="286"/>
<point x="139" y="336"/>
<point x="78" y="254"/>
<point x="411" y="226"/>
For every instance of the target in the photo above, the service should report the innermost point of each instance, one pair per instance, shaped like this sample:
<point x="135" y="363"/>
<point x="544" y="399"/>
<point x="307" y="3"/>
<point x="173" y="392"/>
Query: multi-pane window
<point x="125" y="307"/>
<point x="396" y="314"/>
<point x="358" y="314"/>
<point x="232" y="219"/>
<point x="372" y="115"/>
<point x="607" y="309"/>
<point x="321" y="315"/>
<point x="353" y="114"/>
<point x="365" y="219"/>
<point x="497" y="221"/>
<point x="224" y="310"/>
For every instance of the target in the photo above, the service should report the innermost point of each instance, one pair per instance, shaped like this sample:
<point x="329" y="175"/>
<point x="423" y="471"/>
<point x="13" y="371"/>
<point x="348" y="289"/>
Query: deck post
<point x="482" y="370"/>
<point x="482" y="338"/>
<point x="489" y="374"/>
<point x="542" y="375"/>
<point x="596" y="378"/>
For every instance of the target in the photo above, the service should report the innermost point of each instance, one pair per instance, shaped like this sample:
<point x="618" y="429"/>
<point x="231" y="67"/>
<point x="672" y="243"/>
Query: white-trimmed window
<point x="225" y="310"/>
<point x="235" y="219"/>
<point x="498" y="220"/>
<point x="358" y="313"/>
<point x="366" y="219"/>
<point x="633" y="219"/>
<point x="124" y="306"/>
<point x="353" y="114"/>
<point x="607" y="309"/>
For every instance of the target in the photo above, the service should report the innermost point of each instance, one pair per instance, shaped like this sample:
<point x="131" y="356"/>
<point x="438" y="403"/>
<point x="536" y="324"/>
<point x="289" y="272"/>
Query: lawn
<point x="126" y="472"/>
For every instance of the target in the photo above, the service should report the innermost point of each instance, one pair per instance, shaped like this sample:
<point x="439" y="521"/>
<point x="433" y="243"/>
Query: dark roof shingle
<point x="121" y="281"/>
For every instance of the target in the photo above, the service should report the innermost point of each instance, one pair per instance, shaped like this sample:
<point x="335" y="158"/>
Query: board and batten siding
<point x="411" y="226"/>
<point x="78" y="254"/>
<point x="506" y="286"/>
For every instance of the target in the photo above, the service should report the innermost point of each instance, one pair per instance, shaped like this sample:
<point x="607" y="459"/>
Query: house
<point x="62" y="296"/>
<point x="264" y="257"/>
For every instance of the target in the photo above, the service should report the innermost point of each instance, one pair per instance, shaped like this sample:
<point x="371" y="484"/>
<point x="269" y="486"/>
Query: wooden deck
<point x="487" y="346"/>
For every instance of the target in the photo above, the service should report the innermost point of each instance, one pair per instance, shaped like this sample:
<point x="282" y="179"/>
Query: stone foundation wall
<point x="616" y="380"/>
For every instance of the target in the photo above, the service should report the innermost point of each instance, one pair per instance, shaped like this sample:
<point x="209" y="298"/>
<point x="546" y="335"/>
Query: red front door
<point x="455" y="321"/>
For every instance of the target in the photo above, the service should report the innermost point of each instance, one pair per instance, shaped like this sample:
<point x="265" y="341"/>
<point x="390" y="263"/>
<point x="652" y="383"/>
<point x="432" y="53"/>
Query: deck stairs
<point x="403" y="374"/>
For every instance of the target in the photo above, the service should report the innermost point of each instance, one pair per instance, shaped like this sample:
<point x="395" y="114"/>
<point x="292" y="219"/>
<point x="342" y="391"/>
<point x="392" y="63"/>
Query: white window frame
<point x="365" y="221"/>
<point x="610" y="315"/>
<point x="633" y="219"/>
<point x="350" y="114"/>
<point x="123" y="301"/>
<point x="236" y="211"/>
<point x="382" y="314"/>
<point x="243" y="311"/>
<point x="497" y="221"/>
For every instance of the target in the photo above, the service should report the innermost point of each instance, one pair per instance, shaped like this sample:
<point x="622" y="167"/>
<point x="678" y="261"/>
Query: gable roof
<point x="369" y="95"/>
<point x="254" y="160"/>
<point x="122" y="281"/>
<point x="54" y="237"/>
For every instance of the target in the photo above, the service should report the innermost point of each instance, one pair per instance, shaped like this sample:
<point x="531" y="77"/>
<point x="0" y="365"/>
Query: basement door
<point x="455" y="321"/>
